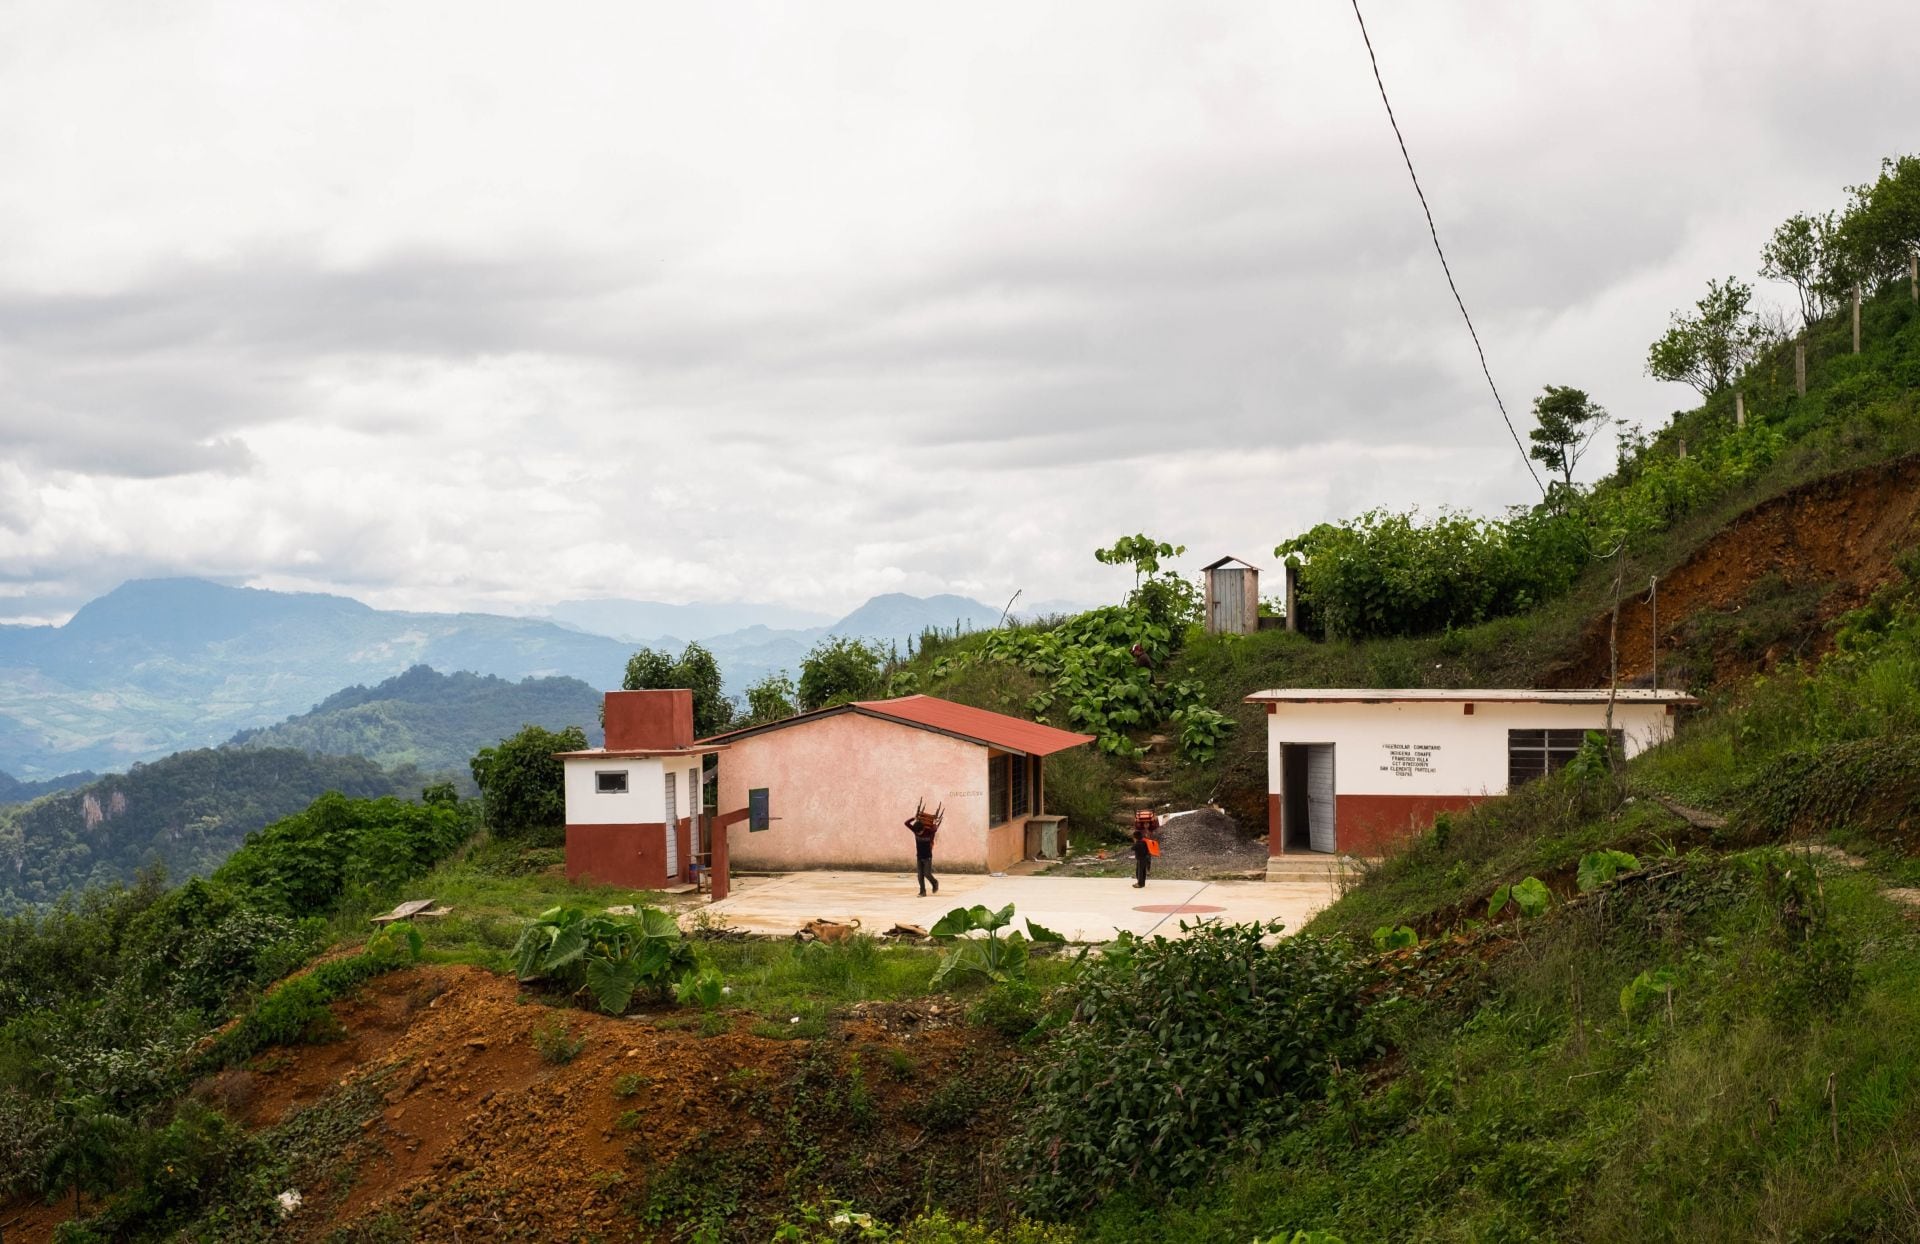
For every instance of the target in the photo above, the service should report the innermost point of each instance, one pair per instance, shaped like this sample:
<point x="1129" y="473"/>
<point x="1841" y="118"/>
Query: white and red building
<point x="634" y="806"/>
<point x="1351" y="771"/>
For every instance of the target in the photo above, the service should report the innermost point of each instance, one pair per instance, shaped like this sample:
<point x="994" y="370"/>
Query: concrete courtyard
<point x="1083" y="909"/>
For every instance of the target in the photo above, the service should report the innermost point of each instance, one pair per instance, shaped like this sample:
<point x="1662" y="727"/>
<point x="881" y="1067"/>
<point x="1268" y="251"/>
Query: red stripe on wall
<point x="1367" y="824"/>
<point x="626" y="855"/>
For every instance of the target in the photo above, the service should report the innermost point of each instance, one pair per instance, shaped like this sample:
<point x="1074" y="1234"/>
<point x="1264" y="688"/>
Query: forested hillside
<point x="185" y="813"/>
<point x="431" y="721"/>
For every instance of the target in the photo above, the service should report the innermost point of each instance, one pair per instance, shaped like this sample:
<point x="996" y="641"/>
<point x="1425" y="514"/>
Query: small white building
<point x="1351" y="771"/>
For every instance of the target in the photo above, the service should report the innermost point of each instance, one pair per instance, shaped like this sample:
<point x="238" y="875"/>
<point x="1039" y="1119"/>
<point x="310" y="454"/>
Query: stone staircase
<point x="1336" y="871"/>
<point x="1151" y="784"/>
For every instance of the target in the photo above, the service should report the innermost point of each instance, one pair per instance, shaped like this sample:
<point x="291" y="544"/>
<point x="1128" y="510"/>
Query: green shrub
<point x="1183" y="1052"/>
<point x="1011" y="1008"/>
<point x="522" y="786"/>
<point x="1385" y="574"/>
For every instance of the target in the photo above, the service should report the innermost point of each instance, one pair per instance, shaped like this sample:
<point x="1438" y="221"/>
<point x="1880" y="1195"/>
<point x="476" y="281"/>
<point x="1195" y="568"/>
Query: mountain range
<point x="430" y="721"/>
<point x="160" y="665"/>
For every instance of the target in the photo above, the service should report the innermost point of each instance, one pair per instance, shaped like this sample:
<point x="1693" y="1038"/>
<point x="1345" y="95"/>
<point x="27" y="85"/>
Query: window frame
<point x="1529" y="760"/>
<point x="997" y="789"/>
<point x="600" y="786"/>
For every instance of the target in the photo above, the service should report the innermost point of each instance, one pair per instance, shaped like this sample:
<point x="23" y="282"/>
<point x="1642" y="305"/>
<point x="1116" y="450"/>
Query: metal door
<point x="673" y="828"/>
<point x="1320" y="797"/>
<point x="696" y="808"/>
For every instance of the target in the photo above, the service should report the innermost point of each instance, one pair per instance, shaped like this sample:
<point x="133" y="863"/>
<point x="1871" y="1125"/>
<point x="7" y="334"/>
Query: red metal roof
<point x="926" y="712"/>
<point x="1009" y="734"/>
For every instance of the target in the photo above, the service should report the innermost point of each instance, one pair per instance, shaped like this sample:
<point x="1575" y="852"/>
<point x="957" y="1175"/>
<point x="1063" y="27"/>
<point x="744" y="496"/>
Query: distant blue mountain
<point x="643" y="620"/>
<point x="160" y="665"/>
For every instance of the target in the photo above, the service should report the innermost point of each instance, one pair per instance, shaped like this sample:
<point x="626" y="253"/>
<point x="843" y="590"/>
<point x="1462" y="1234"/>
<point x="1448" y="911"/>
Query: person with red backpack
<point x="1146" y="845"/>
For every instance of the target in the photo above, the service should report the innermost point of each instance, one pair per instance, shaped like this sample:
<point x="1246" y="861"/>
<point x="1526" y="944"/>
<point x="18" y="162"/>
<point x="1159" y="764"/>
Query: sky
<point x="487" y="306"/>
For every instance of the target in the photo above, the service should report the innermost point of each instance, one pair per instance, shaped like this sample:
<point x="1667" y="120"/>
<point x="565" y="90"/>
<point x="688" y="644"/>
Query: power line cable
<point x="1438" y="250"/>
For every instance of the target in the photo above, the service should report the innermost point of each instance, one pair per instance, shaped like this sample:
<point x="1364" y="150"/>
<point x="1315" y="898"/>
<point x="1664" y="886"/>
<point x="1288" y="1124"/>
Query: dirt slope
<point x="1795" y="562"/>
<point x="473" y="1135"/>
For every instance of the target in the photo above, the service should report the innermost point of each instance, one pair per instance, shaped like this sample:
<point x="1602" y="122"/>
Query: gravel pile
<point x="1206" y="842"/>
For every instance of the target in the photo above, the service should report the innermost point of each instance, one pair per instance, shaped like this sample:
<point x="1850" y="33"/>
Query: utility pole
<point x="1739" y="409"/>
<point x="1856" y="319"/>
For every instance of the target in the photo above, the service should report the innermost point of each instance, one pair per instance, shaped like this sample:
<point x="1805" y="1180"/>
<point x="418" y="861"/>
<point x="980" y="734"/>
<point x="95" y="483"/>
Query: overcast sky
<point x="491" y="305"/>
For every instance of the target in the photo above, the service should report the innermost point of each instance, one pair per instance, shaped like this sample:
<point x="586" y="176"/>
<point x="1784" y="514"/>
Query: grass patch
<point x="494" y="890"/>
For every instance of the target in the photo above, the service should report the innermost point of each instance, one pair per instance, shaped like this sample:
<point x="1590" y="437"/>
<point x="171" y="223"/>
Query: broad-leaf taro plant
<point x="611" y="957"/>
<point x="995" y="957"/>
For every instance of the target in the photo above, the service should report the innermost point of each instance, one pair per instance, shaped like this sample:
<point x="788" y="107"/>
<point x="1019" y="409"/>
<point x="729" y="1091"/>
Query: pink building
<point x="633" y="806"/>
<point x="837" y="783"/>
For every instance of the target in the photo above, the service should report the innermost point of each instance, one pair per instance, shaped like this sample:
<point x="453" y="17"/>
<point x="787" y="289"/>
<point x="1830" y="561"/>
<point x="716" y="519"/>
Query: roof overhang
<point x="1479" y="695"/>
<point x="875" y="710"/>
<point x="602" y="753"/>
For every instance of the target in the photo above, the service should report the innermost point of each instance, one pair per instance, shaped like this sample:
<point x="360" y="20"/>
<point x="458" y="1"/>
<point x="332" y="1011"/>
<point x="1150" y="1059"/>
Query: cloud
<point x="455" y="309"/>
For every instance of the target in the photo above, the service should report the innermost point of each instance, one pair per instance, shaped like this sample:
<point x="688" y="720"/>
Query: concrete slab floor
<point x="1083" y="909"/>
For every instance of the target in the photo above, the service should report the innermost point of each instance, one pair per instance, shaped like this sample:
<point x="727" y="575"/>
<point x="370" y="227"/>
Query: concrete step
<point x="1332" y="870"/>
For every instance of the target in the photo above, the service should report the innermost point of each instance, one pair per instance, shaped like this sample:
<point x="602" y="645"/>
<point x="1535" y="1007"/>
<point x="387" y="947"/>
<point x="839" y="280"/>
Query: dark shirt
<point x="1140" y="851"/>
<point x="922" y="840"/>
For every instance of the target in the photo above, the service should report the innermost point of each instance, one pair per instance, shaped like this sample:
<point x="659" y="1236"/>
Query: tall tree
<point x="1801" y="254"/>
<point x="838" y="670"/>
<point x="700" y="673"/>
<point x="522" y="785"/>
<point x="695" y="670"/>
<point x="1711" y="347"/>
<point x="649" y="670"/>
<point x="1566" y="422"/>
<point x="770" y="699"/>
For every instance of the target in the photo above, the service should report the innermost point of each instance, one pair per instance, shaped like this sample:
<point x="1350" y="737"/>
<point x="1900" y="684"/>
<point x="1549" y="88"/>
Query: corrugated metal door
<point x="1320" y="797"/>
<point x="673" y="820"/>
<point x="696" y="808"/>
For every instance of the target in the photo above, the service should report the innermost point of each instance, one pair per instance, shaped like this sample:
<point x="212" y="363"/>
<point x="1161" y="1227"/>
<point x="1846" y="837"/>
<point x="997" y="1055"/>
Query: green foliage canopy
<point x="1710" y="347"/>
<point x="522" y="785"/>
<point x="1392" y="574"/>
<point x="695" y="670"/>
<point x="1565" y="423"/>
<point x="839" y="670"/>
<point x="1183" y="1052"/>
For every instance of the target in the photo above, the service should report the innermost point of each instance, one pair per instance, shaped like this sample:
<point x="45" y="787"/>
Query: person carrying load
<point x="1146" y="845"/>
<point x="924" y="825"/>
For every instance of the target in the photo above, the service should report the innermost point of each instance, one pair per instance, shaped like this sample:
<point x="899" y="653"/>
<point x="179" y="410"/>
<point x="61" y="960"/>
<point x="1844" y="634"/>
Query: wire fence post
<point x="1653" y="605"/>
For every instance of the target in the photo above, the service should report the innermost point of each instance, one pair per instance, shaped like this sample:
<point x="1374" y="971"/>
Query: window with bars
<point x="1536" y="753"/>
<point x="997" y="789"/>
<point x="1021" y="783"/>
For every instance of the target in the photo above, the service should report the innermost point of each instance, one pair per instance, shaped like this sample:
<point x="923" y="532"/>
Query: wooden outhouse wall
<point x="1233" y="600"/>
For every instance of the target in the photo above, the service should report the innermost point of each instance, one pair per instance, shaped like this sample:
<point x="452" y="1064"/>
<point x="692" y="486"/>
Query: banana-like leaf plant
<point x="995" y="957"/>
<point x="611" y="957"/>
